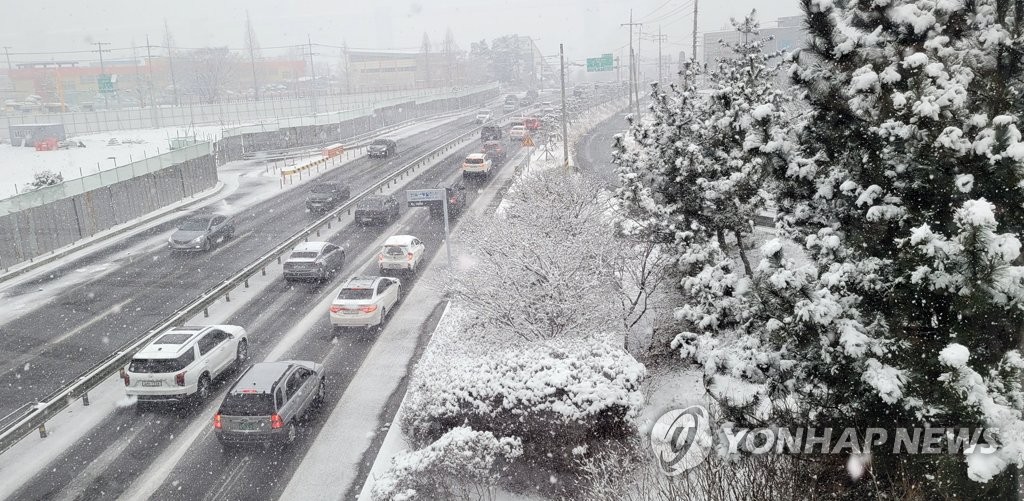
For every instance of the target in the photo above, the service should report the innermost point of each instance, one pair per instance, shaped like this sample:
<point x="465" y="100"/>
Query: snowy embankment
<point x="101" y="151"/>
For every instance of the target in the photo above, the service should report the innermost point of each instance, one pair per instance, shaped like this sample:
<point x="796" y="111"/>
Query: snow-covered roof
<point x="476" y="156"/>
<point x="309" y="247"/>
<point x="406" y="239"/>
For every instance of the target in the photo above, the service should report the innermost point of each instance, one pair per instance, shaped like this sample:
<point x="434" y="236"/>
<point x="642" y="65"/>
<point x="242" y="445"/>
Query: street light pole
<point x="565" y="129"/>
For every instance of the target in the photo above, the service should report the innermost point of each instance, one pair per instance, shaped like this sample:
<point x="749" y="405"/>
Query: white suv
<point x="182" y="363"/>
<point x="476" y="164"/>
<point x="401" y="252"/>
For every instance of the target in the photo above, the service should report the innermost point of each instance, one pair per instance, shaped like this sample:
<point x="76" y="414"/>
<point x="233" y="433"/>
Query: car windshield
<point x="324" y="188"/>
<point x="474" y="160"/>
<point x="304" y="255"/>
<point x="355" y="294"/>
<point x="161" y="365"/>
<point x="394" y="250"/>
<point x="380" y="142"/>
<point x="247" y="404"/>
<point x="195" y="224"/>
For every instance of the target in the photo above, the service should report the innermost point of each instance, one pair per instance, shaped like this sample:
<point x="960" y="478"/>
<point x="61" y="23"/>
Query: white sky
<point x="587" y="27"/>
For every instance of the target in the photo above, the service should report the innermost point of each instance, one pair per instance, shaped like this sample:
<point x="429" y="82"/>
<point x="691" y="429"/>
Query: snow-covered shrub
<point x="555" y="396"/>
<point x="546" y="268"/>
<point x="45" y="178"/>
<point x="462" y="464"/>
<point x="629" y="472"/>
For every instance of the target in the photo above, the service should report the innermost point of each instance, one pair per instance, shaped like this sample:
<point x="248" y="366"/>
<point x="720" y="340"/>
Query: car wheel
<point x="203" y="389"/>
<point x="290" y="434"/>
<point x="321" y="391"/>
<point x="242" y="354"/>
<point x="206" y="245"/>
<point x="231" y="232"/>
<point x="383" y="315"/>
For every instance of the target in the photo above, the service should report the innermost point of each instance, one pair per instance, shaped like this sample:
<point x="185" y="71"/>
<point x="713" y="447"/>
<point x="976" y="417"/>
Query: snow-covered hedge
<point x="556" y="396"/>
<point x="460" y="465"/>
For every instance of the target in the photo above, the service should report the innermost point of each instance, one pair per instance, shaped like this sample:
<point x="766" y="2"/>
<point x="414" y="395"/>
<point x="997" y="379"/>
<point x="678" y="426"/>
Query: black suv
<point x="326" y="196"/>
<point x="381" y="148"/>
<point x="377" y="209"/>
<point x="490" y="133"/>
<point x="456" y="201"/>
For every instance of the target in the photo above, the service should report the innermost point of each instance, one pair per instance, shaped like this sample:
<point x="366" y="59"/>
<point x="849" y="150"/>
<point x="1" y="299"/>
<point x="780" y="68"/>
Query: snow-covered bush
<point x="555" y="396"/>
<point x="546" y="268"/>
<point x="628" y="471"/>
<point x="45" y="178"/>
<point x="463" y="464"/>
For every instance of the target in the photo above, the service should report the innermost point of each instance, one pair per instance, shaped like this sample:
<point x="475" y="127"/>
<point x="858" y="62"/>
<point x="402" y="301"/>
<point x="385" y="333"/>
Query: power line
<point x="651" y="13"/>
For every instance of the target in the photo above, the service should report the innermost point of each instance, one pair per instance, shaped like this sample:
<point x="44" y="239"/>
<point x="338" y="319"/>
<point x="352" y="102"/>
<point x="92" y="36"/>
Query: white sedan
<point x="365" y="301"/>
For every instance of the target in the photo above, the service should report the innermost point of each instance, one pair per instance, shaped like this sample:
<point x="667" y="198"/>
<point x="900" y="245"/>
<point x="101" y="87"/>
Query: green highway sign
<point x="106" y="84"/>
<point x="604" y="63"/>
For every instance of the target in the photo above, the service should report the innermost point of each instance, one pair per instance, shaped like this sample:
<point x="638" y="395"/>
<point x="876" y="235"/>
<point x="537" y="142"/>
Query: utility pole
<point x="632" y="73"/>
<point x="103" y="71"/>
<point x="152" y="95"/>
<point x="693" y="54"/>
<point x="138" y="77"/>
<point x="170" y="61"/>
<point x="8" y="54"/>
<point x="312" y="73"/>
<point x="251" y="37"/>
<point x="565" y="129"/>
<point x="661" y="62"/>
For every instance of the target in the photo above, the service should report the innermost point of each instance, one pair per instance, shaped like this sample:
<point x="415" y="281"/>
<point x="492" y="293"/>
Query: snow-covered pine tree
<point x="696" y="170"/>
<point x="744" y="131"/>
<point x="908" y="200"/>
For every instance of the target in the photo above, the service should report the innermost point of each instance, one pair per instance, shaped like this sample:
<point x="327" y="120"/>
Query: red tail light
<point x="453" y="201"/>
<point x="216" y="421"/>
<point x="370" y="308"/>
<point x="336" y="308"/>
<point x="124" y="375"/>
<point x="179" y="378"/>
<point x="276" y="422"/>
<point x="409" y="256"/>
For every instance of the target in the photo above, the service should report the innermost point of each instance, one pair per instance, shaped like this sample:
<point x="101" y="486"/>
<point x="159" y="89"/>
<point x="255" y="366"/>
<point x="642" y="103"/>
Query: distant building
<point x="77" y="83"/>
<point x="788" y="35"/>
<point x="370" y="71"/>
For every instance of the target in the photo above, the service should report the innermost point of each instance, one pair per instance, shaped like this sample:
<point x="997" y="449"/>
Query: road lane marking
<point x="27" y="357"/>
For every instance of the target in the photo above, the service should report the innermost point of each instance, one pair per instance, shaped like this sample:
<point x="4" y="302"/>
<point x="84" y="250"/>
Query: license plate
<point x="151" y="383"/>
<point x="247" y="426"/>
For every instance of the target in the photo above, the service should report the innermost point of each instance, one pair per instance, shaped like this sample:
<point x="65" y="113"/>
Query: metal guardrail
<point x="357" y="141"/>
<point x="40" y="413"/>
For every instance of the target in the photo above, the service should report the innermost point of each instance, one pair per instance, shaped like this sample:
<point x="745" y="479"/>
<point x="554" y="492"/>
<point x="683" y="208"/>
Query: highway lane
<point x="208" y="472"/>
<point x="149" y="434"/>
<point x="594" y="150"/>
<point x="145" y="289"/>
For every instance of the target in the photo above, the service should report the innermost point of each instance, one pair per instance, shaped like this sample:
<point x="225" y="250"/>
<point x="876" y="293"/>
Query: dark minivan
<point x="326" y="196"/>
<point x="377" y="209"/>
<point x="267" y="401"/>
<point x="490" y="133"/>
<point x="382" y="148"/>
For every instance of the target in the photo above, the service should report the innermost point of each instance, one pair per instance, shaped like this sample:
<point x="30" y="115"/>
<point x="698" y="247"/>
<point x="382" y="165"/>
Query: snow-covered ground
<point x="18" y="164"/>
